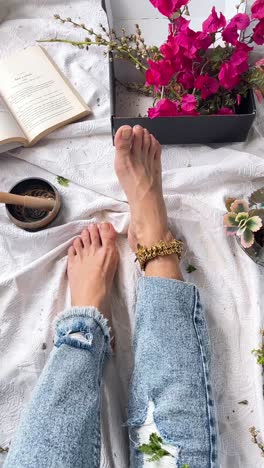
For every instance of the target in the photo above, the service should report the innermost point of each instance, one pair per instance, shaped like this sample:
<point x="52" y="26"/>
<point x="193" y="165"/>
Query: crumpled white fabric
<point x="33" y="284"/>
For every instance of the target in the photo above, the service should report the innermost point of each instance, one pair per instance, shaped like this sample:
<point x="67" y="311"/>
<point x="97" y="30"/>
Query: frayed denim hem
<point x="77" y="326"/>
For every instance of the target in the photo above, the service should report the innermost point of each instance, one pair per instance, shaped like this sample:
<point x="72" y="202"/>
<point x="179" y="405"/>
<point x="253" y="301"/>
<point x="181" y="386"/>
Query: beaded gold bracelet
<point x="144" y="254"/>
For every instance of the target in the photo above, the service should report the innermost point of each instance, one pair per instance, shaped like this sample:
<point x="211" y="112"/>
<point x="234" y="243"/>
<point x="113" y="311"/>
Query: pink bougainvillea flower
<point x="240" y="60"/>
<point x="230" y="34"/>
<point x="186" y="40"/>
<point x="225" y="111"/>
<point x="164" y="108"/>
<point x="160" y="73"/>
<point x="179" y="24"/>
<point x="189" y="103"/>
<point x="260" y="63"/>
<point x="238" y="99"/>
<point x="229" y="76"/>
<point x="177" y="55"/>
<point x="258" y="36"/>
<point x="213" y="22"/>
<point x="168" y="7"/>
<point x="258" y="9"/>
<point x="207" y="85"/>
<point x="241" y="20"/>
<point x="186" y="79"/>
<point x="203" y="40"/>
<point x="170" y="50"/>
<point x="244" y="47"/>
<point x="259" y="95"/>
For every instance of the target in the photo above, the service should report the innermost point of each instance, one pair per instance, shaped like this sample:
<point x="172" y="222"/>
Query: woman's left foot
<point x="92" y="264"/>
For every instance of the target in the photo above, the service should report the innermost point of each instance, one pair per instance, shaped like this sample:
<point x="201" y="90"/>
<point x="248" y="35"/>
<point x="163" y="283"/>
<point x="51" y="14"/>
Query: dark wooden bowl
<point x="32" y="219"/>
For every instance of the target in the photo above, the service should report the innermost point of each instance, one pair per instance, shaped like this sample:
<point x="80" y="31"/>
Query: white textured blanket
<point x="33" y="285"/>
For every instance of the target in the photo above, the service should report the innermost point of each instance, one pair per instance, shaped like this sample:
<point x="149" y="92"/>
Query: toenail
<point x="126" y="133"/>
<point x="137" y="127"/>
<point x="105" y="226"/>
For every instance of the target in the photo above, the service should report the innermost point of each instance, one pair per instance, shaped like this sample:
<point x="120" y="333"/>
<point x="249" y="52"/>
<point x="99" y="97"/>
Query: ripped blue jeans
<point x="170" y="390"/>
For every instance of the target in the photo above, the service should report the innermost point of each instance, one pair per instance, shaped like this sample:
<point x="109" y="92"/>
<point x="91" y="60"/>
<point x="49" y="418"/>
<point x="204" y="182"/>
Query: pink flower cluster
<point x="186" y="72"/>
<point x="166" y="107"/>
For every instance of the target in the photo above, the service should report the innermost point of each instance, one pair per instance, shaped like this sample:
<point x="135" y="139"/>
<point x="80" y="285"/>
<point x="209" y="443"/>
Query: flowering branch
<point x="256" y="439"/>
<point x="129" y="47"/>
<point x="189" y="74"/>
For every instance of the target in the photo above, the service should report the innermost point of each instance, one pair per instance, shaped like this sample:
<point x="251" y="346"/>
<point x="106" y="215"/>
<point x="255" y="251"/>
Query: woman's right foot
<point x="138" y="168"/>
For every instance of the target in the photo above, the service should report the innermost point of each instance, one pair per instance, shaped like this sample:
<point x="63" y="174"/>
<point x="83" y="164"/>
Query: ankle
<point x="147" y="237"/>
<point x="164" y="267"/>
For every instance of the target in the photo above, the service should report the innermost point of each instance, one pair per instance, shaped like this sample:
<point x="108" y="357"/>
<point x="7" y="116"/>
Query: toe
<point x="158" y="151"/>
<point x="77" y="244"/>
<point x="108" y="233"/>
<point x="95" y="236"/>
<point x="153" y="146"/>
<point x="71" y="252"/>
<point x="146" y="142"/>
<point x="138" y="140"/>
<point x="124" y="138"/>
<point x="85" y="236"/>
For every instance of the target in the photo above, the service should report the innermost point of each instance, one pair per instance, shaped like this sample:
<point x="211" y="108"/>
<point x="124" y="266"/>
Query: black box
<point x="205" y="129"/>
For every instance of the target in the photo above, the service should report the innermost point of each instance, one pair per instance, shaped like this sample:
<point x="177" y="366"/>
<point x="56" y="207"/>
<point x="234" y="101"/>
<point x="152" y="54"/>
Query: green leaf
<point x="258" y="212"/>
<point x="154" y="448"/>
<point x="259" y="353"/>
<point x="147" y="449"/>
<point x="257" y="197"/>
<point x="217" y="55"/>
<point x="231" y="231"/>
<point x="155" y="439"/>
<point x="185" y="466"/>
<point x="62" y="181"/>
<point x="255" y="78"/>
<point x="191" y="269"/>
<point x="241" y="217"/>
<point x="247" y="238"/>
<point x="239" y="206"/>
<point x="228" y="203"/>
<point x="254" y="223"/>
<point x="230" y="220"/>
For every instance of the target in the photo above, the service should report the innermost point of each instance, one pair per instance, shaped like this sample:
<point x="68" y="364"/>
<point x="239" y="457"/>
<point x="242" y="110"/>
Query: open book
<point x="35" y="98"/>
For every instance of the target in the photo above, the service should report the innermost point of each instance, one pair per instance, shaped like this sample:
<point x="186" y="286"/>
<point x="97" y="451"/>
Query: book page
<point x="9" y="128"/>
<point x="37" y="93"/>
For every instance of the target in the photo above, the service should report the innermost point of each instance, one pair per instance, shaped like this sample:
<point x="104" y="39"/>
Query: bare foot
<point x="92" y="264"/>
<point x="138" y="167"/>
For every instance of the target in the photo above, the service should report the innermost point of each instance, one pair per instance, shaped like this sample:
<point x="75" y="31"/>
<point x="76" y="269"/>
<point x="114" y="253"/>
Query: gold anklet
<point x="144" y="254"/>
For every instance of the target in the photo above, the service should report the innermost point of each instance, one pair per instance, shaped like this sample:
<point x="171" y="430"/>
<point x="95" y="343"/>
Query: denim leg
<point x="61" y="426"/>
<point x="170" y="390"/>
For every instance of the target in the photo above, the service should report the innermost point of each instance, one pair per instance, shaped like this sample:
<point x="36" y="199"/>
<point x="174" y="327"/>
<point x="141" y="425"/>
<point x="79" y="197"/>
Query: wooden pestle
<point x="46" y="204"/>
